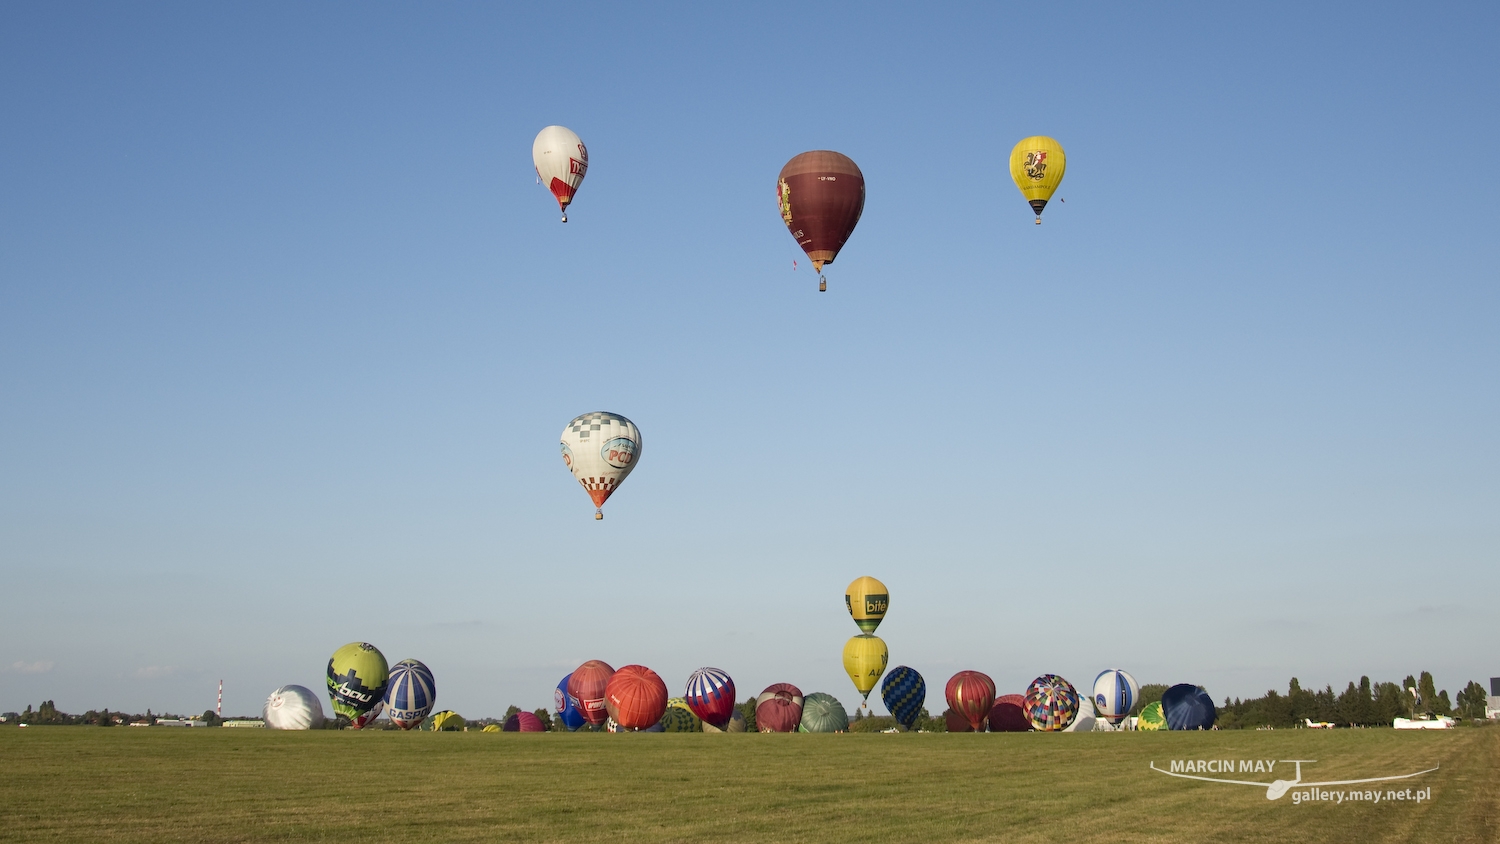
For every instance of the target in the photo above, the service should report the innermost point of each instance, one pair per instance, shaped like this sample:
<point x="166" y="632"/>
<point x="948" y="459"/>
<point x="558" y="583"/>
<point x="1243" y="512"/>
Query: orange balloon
<point x="636" y="697"/>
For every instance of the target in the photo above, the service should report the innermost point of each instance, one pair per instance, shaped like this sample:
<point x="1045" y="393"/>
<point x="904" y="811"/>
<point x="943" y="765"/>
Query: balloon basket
<point x="565" y="219"/>
<point x="1038" y="220"/>
<point x="822" y="284"/>
<point x="598" y="515"/>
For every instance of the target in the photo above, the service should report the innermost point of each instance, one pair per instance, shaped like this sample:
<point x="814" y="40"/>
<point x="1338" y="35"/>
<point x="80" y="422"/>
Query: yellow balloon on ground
<point x="865" y="657"/>
<point x="867" y="599"/>
<point x="1037" y="164"/>
<point x="491" y="728"/>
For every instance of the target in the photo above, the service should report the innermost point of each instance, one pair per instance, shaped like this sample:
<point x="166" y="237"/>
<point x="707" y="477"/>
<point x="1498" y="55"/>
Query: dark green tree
<point x="1427" y="692"/>
<point x="545" y="716"/>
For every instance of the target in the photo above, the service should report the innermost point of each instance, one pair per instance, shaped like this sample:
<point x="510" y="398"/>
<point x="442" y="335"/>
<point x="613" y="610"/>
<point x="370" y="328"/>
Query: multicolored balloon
<point x="735" y="724"/>
<point x="679" y="719"/>
<point x="293" y="708"/>
<point x="409" y="694"/>
<point x="867" y="599"/>
<point x="972" y="695"/>
<point x="710" y="695"/>
<point x="822" y="713"/>
<point x="635" y="697"/>
<point x="1008" y="715"/>
<point x="1151" y="718"/>
<point x="523" y="722"/>
<point x="1115" y="694"/>
<point x="1188" y="707"/>
<point x="613" y="726"/>
<point x="357" y="675"/>
<point x="1051" y="703"/>
<point x="904" y="692"/>
<point x="365" y="719"/>
<point x="601" y="449"/>
<point x="778" y="709"/>
<point x="566" y="706"/>
<point x="865" y="658"/>
<point x="561" y="163"/>
<point x="1036" y="165"/>
<point x="821" y="195"/>
<point x="586" y="687"/>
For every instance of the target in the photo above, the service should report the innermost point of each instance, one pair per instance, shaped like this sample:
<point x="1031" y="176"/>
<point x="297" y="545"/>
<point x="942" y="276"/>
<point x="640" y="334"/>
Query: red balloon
<point x="586" y="685"/>
<point x="1009" y="715"/>
<point x="779" y="709"/>
<point x="957" y="723"/>
<point x="972" y="695"/>
<point x="636" y="697"/>
<point x="822" y="194"/>
<point x="522" y="722"/>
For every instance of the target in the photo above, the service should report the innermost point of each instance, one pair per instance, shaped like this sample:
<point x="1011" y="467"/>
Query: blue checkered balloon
<point x="904" y="692"/>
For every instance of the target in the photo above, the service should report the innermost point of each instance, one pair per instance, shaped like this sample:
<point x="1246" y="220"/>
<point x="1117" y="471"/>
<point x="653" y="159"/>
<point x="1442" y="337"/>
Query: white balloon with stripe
<point x="410" y="694"/>
<point x="1115" y="694"/>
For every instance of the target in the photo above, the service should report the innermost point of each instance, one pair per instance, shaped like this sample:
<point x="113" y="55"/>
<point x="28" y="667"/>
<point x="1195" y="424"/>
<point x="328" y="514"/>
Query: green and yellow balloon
<point x="357" y="675"/>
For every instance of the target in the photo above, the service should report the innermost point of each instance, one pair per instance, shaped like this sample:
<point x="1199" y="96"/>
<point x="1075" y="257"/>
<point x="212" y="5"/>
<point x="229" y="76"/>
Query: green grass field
<point x="160" y="784"/>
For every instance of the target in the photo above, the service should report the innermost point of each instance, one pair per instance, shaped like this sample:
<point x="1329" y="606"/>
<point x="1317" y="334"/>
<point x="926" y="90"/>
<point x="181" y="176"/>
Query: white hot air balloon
<point x="293" y="708"/>
<point x="600" y="450"/>
<point x="561" y="162"/>
<point x="1115" y="694"/>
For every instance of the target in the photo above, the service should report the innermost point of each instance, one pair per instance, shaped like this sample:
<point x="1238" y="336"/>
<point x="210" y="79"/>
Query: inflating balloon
<point x="710" y="694"/>
<point x="735" y="724"/>
<point x="365" y="719"/>
<point x="635" y="697"/>
<point x="409" y="694"/>
<point x="523" y="722"/>
<point x="904" y="692"/>
<point x="561" y="163"/>
<point x="867" y="599"/>
<point x="865" y="657"/>
<point x="357" y="675"/>
<point x="821" y="195"/>
<point x="586" y="686"/>
<point x="446" y="721"/>
<point x="1188" y="707"/>
<point x="972" y="695"/>
<point x="613" y="726"/>
<point x="601" y="449"/>
<point x="1084" y="721"/>
<point x="1115" y="694"/>
<point x="566" y="706"/>
<point x="293" y="708"/>
<point x="822" y="713"/>
<point x="1008" y="715"/>
<point x="1151" y="718"/>
<point x="778" y="709"/>
<point x="1051" y="703"/>
<point x="1037" y="164"/>
<point x="680" y="720"/>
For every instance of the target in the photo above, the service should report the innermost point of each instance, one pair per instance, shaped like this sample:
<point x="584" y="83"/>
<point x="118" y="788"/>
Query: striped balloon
<point x="1115" y="694"/>
<point x="410" y="694"/>
<point x="1051" y="703"/>
<point x="972" y="695"/>
<point x="904" y="692"/>
<point x="710" y="694"/>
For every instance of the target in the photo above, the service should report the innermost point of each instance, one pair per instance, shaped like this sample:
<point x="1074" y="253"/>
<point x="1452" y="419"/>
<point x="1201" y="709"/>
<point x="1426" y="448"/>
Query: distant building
<point x="180" y="722"/>
<point x="1492" y="706"/>
<point x="243" y="722"/>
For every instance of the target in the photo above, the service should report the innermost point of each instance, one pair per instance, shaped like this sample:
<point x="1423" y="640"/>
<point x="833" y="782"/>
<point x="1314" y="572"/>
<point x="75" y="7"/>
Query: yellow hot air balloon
<point x="865" y="657"/>
<point x="1037" y="164"/>
<point x="866" y="599"/>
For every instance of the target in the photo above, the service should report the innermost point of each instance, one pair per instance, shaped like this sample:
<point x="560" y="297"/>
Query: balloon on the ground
<point x="1051" y="703"/>
<point x="409" y="694"/>
<point x="491" y="728"/>
<point x="735" y="724"/>
<point x="613" y="726"/>
<point x="865" y="657"/>
<point x="1151" y="718"/>
<point x="904" y="692"/>
<point x="867" y="599"/>
<point x="1115" y="694"/>
<point x="821" y="195"/>
<point x="357" y="675"/>
<point x="710" y="694"/>
<point x="561" y="163"/>
<point x="586" y="686"/>
<point x="601" y="449"/>
<point x="1037" y="164"/>
<point x="681" y="704"/>
<point x="523" y="722"/>
<point x="822" y="713"/>
<point x="678" y="719"/>
<point x="1008" y="715"/>
<point x="293" y="708"/>
<point x="446" y="721"/>
<point x="778" y="709"/>
<point x="635" y="697"/>
<point x="365" y="719"/>
<point x="972" y="695"/>
<point x="566" y="706"/>
<point x="1084" y="721"/>
<point x="1188" y="707"/>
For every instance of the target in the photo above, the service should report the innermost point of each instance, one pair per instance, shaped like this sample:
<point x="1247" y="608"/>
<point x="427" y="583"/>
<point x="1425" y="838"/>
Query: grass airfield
<point x="225" y="785"/>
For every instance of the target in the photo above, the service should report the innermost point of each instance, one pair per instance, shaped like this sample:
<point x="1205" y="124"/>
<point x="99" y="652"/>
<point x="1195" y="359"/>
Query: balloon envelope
<point x="1188" y="707"/>
<point x="710" y="694"/>
<point x="904" y="692"/>
<point x="1051" y="703"/>
<point x="586" y="686"/>
<point x="1008" y="715"/>
<point x="680" y="719"/>
<point x="293" y="708"/>
<point x="523" y="722"/>
<point x="1115" y="694"/>
<point x="972" y="695"/>
<point x="561" y="162"/>
<point x="357" y="675"/>
<point x="1084" y="721"/>
<point x="735" y="724"/>
<point x="409" y="694"/>
<point x="566" y="706"/>
<point x="867" y="599"/>
<point x="635" y="697"/>
<point x="447" y="721"/>
<point x="821" y="195"/>
<point x="865" y="657"/>
<point x="778" y="709"/>
<point x="822" y="713"/>
<point x="601" y="449"/>
<point x="1036" y="165"/>
<point x="365" y="719"/>
<point x="1151" y="718"/>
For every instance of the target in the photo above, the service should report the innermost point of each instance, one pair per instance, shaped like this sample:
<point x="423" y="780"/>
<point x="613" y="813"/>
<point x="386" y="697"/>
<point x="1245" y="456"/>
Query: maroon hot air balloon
<point x="957" y="723"/>
<point x="586" y="685"/>
<point x="522" y="722"/>
<point x="1008" y="715"/>
<point x="822" y="194"/>
<point x="636" y="697"/>
<point x="972" y="695"/>
<point x="779" y="709"/>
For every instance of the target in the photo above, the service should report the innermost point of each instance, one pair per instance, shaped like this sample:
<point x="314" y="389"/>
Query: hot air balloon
<point x="566" y="706"/>
<point x="365" y="719"/>
<point x="710" y="694"/>
<point x="1084" y="721"/>
<point x="357" y="675"/>
<point x="561" y="162"/>
<point x="1188" y="707"/>
<point x="409" y="694"/>
<point x="491" y="728"/>
<point x="904" y="693"/>
<point x="867" y="599"/>
<point x="523" y="722"/>
<point x="1151" y="718"/>
<point x="635" y="697"/>
<point x="600" y="449"/>
<point x="972" y="695"/>
<point x="778" y="709"/>
<point x="822" y="713"/>
<point x="293" y="708"/>
<point x="612" y="726"/>
<point x="821" y="194"/>
<point x="1008" y="715"/>
<point x="865" y="657"/>
<point x="586" y="686"/>
<point x="735" y="724"/>
<point x="1051" y="703"/>
<point x="1037" y="164"/>
<point x="680" y="719"/>
<point x="1115" y="694"/>
<point x="446" y="721"/>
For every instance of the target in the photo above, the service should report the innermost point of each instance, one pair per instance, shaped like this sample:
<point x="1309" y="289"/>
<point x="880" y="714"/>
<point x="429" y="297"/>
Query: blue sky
<point x="288" y="333"/>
